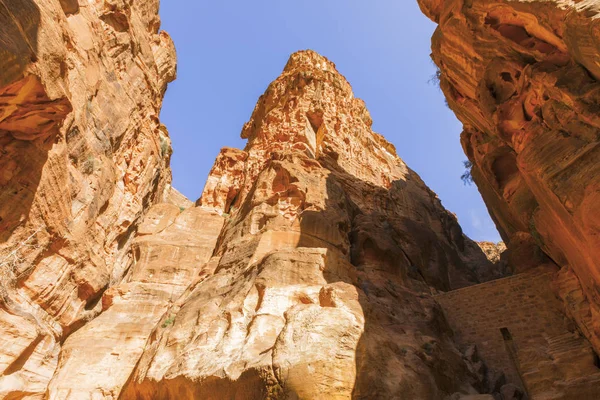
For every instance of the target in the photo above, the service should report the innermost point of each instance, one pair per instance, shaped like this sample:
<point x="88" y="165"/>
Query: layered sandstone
<point x="82" y="157"/>
<point x="310" y="266"/>
<point x="171" y="250"/>
<point x="522" y="76"/>
<point x="325" y="267"/>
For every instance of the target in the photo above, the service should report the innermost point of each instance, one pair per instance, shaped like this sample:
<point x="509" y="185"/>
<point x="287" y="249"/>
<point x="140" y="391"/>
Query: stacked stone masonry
<point x="546" y="344"/>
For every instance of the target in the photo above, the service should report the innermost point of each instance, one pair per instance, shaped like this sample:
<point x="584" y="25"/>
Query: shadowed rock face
<point x="324" y="269"/>
<point x="522" y="76"/>
<point x="82" y="157"/>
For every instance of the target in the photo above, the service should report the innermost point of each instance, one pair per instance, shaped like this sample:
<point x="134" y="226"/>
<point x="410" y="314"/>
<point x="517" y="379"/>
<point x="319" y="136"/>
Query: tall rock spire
<point x="324" y="269"/>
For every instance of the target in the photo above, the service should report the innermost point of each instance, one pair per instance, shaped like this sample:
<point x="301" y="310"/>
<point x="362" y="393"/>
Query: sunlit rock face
<point x="82" y="157"/>
<point x="172" y="249"/>
<point x="522" y="76"/>
<point x="306" y="269"/>
<point x="320" y="283"/>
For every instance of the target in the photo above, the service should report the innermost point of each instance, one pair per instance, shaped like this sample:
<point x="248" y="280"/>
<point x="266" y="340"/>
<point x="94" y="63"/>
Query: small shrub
<point x="89" y="165"/>
<point x="181" y="209"/>
<point x="466" y="177"/>
<point x="436" y="78"/>
<point x="428" y="348"/>
<point x="168" y="321"/>
<point x="165" y="147"/>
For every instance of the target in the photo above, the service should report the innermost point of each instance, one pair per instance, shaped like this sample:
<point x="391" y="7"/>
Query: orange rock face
<point x="82" y="157"/>
<point x="523" y="78"/>
<point x="310" y="266"/>
<point x="306" y="269"/>
<point x="324" y="269"/>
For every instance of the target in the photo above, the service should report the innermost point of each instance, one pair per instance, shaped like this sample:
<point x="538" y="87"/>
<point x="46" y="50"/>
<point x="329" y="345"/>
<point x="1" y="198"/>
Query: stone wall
<point x="550" y="352"/>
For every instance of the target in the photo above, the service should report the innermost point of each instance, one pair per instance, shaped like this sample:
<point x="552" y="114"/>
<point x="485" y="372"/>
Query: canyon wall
<point x="522" y="76"/>
<point x="82" y="157"/>
<point x="324" y="270"/>
<point x="306" y="270"/>
<point x="310" y="266"/>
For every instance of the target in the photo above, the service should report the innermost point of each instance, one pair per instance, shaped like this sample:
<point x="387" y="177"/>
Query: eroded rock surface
<point x="522" y="76"/>
<point x="493" y="251"/>
<point x="82" y="157"/>
<point x="171" y="250"/>
<point x="306" y="270"/>
<point x="308" y="267"/>
<point x="324" y="270"/>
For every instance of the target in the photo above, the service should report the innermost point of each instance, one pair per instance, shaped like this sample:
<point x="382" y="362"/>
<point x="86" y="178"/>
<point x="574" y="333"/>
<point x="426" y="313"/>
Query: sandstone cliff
<point x="311" y="265"/>
<point x="324" y="269"/>
<point x="522" y="76"/>
<point x="82" y="157"/>
<point x="306" y="270"/>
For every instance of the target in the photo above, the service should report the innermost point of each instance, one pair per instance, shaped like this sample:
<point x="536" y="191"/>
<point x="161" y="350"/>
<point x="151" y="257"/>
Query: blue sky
<point x="229" y="51"/>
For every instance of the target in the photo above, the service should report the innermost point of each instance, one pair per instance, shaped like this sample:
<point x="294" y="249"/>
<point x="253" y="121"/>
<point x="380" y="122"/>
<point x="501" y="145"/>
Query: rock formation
<point x="316" y="264"/>
<point x="306" y="269"/>
<point x="522" y="76"/>
<point x="82" y="158"/>
<point x="320" y="281"/>
<point x="324" y="269"/>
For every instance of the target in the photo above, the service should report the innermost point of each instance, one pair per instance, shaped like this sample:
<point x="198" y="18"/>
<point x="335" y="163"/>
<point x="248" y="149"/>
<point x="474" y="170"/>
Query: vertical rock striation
<point x="82" y="157"/>
<point x="522" y="76"/>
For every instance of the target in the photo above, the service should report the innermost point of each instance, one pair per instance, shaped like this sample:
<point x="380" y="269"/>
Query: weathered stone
<point x="167" y="259"/>
<point x="522" y="76"/>
<point x="523" y="337"/>
<point x="493" y="251"/>
<point x="307" y="268"/>
<point x="511" y="392"/>
<point x="70" y="6"/>
<point x="324" y="267"/>
<point x="82" y="157"/>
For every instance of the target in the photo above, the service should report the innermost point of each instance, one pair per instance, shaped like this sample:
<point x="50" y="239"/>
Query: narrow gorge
<point x="316" y="264"/>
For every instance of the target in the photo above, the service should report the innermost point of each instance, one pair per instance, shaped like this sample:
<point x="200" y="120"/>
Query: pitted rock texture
<point x="522" y="76"/>
<point x="325" y="267"/>
<point x="493" y="251"/>
<point x="82" y="158"/>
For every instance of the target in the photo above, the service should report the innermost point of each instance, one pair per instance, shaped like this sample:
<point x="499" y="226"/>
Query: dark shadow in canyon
<point x="396" y="255"/>
<point x="25" y="169"/>
<point x="19" y="24"/>
<point x="20" y="161"/>
<point x="30" y="121"/>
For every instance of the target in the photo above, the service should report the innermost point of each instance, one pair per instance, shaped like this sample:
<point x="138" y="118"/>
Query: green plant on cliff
<point x="428" y="348"/>
<point x="168" y="321"/>
<point x="165" y="147"/>
<point x="436" y="78"/>
<point x="466" y="177"/>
